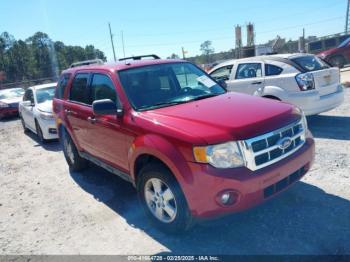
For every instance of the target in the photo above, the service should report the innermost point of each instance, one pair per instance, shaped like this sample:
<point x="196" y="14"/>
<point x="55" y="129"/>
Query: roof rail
<point x="87" y="62"/>
<point x="139" y="57"/>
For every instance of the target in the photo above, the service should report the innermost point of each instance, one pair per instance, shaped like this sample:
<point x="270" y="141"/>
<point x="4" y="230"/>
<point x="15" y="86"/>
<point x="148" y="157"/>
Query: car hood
<point x="232" y="116"/>
<point x="328" y="52"/>
<point x="14" y="100"/>
<point x="45" y="106"/>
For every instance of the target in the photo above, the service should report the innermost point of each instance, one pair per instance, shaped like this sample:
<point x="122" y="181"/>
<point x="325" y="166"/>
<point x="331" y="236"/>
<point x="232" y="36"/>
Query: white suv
<point x="36" y="111"/>
<point x="300" y="79"/>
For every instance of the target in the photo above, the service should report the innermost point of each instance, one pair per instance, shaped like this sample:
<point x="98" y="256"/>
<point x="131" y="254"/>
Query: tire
<point x="39" y="132"/>
<point x="74" y="160"/>
<point x="337" y="61"/>
<point x="25" y="129"/>
<point x="180" y="219"/>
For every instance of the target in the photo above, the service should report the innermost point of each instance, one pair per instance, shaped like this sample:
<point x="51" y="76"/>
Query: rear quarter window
<point x="272" y="70"/>
<point x="61" y="85"/>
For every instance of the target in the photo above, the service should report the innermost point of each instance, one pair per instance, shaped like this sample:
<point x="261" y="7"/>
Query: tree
<point x="207" y="50"/>
<point x="173" y="56"/>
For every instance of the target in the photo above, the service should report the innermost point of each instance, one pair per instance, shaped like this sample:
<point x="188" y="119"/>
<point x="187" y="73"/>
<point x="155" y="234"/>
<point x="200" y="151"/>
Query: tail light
<point x="305" y="81"/>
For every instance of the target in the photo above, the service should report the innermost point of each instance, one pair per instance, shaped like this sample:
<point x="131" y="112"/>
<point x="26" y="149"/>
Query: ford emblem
<point x="284" y="143"/>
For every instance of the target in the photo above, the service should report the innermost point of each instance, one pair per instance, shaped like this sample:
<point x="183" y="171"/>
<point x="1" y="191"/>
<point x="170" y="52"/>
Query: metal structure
<point x="347" y="18"/>
<point x="250" y="35"/>
<point x="238" y="36"/>
<point x="111" y="35"/>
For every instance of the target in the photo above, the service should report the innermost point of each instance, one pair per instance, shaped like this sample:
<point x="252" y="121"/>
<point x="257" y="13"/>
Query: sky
<point x="163" y="27"/>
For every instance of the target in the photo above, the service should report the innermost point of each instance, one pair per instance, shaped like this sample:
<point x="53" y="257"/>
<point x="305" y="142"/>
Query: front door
<point x="247" y="78"/>
<point x="27" y="110"/>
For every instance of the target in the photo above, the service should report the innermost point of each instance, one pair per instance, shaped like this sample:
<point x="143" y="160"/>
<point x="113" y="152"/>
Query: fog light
<point x="227" y="198"/>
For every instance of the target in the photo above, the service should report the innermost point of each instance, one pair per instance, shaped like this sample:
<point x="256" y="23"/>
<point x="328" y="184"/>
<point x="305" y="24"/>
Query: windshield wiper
<point x="203" y="97"/>
<point x="162" y="104"/>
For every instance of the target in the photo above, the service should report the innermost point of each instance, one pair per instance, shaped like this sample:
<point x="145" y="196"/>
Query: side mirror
<point x="27" y="103"/>
<point x="222" y="83"/>
<point x="106" y="107"/>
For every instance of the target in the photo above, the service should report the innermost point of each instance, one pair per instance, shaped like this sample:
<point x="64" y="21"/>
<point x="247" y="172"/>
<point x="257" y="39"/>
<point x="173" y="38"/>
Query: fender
<point x="162" y="149"/>
<point x="276" y="91"/>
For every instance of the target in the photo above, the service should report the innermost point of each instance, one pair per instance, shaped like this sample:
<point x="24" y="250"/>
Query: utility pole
<point x="347" y="18"/>
<point x="123" y="43"/>
<point x="111" y="35"/>
<point x="183" y="53"/>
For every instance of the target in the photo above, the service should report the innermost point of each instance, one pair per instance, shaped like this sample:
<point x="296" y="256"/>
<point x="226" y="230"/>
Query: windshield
<point x="45" y="94"/>
<point x="310" y="63"/>
<point x="11" y="93"/>
<point x="163" y="85"/>
<point x="344" y="43"/>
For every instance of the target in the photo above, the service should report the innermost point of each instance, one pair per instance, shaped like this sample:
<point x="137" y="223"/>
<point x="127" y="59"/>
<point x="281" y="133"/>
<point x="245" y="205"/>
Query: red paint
<point x="170" y="134"/>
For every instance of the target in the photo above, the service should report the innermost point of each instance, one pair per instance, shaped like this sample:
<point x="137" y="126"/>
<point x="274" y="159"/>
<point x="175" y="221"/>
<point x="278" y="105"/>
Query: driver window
<point x="249" y="70"/>
<point x="28" y="96"/>
<point x="223" y="73"/>
<point x="102" y="88"/>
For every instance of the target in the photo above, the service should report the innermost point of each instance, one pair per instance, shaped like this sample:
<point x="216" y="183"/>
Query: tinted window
<point x="271" y="70"/>
<point x="102" y="88"/>
<point x="315" y="45"/>
<point x="310" y="63"/>
<point x="78" y="92"/>
<point x="28" y="96"/>
<point x="330" y="42"/>
<point x="162" y="85"/>
<point x="61" y="86"/>
<point x="249" y="70"/>
<point x="222" y="73"/>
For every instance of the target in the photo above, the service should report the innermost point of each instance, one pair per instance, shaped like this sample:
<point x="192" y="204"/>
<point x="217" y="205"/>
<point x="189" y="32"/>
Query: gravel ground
<point x="45" y="209"/>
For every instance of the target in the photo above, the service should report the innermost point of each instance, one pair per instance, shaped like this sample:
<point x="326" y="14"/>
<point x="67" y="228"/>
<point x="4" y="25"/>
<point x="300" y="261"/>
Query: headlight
<point x="3" y="105"/>
<point x="46" y="116"/>
<point x="226" y="155"/>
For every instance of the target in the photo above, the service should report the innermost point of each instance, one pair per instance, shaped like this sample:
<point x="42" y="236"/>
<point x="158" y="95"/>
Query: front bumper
<point x="49" y="129"/>
<point x="8" y="111"/>
<point x="253" y="188"/>
<point x="312" y="103"/>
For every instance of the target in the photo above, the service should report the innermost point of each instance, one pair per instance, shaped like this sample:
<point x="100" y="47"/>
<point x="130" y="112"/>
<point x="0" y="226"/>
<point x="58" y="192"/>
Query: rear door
<point x="77" y="109"/>
<point x="27" y="111"/>
<point x="106" y="136"/>
<point x="248" y="78"/>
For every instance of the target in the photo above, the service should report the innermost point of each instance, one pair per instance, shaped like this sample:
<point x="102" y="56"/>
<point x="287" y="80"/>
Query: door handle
<point x="68" y="111"/>
<point x="257" y="83"/>
<point x="92" y="120"/>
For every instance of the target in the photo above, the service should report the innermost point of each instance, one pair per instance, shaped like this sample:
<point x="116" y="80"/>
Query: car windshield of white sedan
<point x="11" y="93"/>
<point x="163" y="85"/>
<point x="310" y="63"/>
<point x="45" y="94"/>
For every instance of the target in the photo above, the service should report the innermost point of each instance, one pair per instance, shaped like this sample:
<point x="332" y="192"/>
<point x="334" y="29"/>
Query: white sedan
<point x="36" y="111"/>
<point x="300" y="79"/>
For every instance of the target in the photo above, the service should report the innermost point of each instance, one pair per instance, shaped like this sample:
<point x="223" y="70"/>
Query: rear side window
<point x="102" y="88"/>
<point x="249" y="70"/>
<point x="79" y="92"/>
<point x="310" y="63"/>
<point x="61" y="86"/>
<point x="272" y="70"/>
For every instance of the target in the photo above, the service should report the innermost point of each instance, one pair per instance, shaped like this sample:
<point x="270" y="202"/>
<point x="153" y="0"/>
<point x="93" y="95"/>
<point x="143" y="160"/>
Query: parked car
<point x="300" y="79"/>
<point x="338" y="56"/>
<point x="9" y="99"/>
<point x="192" y="150"/>
<point x="36" y="111"/>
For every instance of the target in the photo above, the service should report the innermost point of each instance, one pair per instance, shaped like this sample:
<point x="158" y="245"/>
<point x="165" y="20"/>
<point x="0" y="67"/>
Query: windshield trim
<point x="170" y="103"/>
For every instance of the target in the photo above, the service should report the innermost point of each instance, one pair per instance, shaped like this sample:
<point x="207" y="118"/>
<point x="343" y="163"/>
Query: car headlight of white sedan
<point x="227" y="155"/>
<point x="46" y="115"/>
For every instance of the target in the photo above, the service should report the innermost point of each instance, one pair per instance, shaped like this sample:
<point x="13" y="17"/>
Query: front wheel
<point x="25" y="129"/>
<point x="39" y="132"/>
<point x="163" y="200"/>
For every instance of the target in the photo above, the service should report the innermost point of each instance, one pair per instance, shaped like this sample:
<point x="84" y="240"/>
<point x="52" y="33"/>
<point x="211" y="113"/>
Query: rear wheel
<point x="25" y="129"/>
<point x="163" y="200"/>
<point x="337" y="61"/>
<point x="74" y="160"/>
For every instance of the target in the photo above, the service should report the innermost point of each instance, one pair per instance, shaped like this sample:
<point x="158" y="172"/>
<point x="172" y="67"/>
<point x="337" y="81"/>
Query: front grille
<point x="269" y="148"/>
<point x="282" y="184"/>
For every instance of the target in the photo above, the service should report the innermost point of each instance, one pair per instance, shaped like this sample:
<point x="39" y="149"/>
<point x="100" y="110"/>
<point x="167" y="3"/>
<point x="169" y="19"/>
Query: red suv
<point x="338" y="56"/>
<point x="192" y="150"/>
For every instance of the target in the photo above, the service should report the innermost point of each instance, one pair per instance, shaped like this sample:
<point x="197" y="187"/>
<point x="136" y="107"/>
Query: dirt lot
<point x="45" y="209"/>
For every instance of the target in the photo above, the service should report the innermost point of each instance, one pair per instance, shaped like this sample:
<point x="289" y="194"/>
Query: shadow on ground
<point x="331" y="127"/>
<point x="51" y="145"/>
<point x="303" y="220"/>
